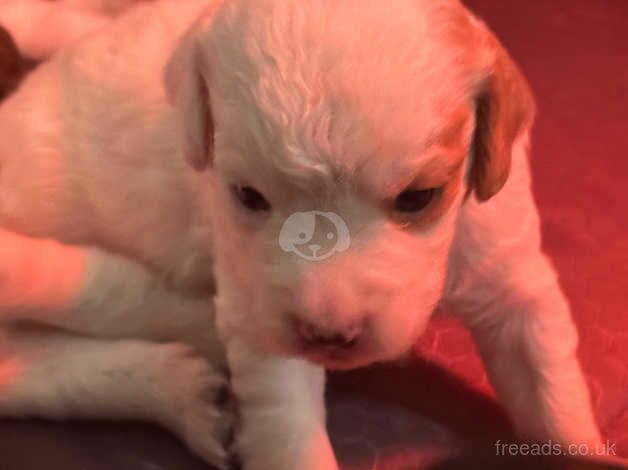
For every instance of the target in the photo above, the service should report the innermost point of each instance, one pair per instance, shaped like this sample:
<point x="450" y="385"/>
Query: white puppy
<point x="403" y="131"/>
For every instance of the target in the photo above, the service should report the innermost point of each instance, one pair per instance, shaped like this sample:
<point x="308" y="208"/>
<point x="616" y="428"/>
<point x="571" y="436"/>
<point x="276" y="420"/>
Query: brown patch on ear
<point x="13" y="66"/>
<point x="504" y="110"/>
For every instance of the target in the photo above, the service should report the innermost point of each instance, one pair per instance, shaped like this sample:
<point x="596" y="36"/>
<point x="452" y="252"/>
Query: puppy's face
<point x="339" y="137"/>
<point x="340" y="258"/>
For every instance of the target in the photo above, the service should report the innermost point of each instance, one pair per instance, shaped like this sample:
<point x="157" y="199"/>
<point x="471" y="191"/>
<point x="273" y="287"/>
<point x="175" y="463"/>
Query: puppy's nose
<point x="318" y="337"/>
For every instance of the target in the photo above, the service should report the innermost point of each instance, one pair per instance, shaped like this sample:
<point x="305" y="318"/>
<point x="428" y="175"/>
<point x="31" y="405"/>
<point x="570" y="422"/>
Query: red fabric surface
<point x="575" y="55"/>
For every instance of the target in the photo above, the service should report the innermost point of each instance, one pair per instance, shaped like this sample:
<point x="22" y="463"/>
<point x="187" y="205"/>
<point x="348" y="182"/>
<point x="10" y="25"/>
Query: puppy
<point x="199" y="144"/>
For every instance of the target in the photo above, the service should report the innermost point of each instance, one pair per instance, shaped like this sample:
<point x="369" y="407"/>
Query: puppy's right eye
<point x="251" y="198"/>
<point x="414" y="200"/>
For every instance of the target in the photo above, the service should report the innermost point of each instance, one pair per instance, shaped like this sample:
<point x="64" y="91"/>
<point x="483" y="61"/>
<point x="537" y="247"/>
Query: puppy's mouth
<point x="334" y="358"/>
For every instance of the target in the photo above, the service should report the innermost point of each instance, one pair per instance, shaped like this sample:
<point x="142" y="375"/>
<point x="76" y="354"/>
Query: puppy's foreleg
<point x="528" y="343"/>
<point x="91" y="292"/>
<point x="51" y="374"/>
<point x="508" y="294"/>
<point x="282" y="412"/>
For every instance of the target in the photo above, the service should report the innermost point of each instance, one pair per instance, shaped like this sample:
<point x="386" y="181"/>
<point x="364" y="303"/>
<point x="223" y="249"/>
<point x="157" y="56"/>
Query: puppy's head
<point x="339" y="140"/>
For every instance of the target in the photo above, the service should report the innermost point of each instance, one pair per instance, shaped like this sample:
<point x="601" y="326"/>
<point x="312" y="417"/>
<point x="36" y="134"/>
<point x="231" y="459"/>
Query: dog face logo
<point x="314" y="235"/>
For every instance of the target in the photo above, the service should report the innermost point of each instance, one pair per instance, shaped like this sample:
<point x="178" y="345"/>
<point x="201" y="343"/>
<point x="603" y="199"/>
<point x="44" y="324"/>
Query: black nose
<point x="319" y="337"/>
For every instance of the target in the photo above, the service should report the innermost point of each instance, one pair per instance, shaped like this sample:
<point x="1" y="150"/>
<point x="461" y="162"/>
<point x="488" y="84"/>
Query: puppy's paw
<point x="201" y="413"/>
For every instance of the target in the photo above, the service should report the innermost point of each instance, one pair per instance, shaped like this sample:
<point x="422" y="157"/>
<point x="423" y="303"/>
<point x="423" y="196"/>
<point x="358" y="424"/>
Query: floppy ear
<point x="186" y="82"/>
<point x="504" y="111"/>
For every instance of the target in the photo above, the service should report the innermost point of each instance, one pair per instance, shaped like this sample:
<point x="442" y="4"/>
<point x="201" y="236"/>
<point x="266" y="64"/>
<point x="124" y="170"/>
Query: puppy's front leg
<point x="528" y="342"/>
<point x="94" y="293"/>
<point x="282" y="412"/>
<point x="53" y="374"/>
<point x="508" y="294"/>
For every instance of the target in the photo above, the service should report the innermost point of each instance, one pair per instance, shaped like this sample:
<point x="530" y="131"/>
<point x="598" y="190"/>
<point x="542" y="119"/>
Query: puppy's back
<point x="87" y="147"/>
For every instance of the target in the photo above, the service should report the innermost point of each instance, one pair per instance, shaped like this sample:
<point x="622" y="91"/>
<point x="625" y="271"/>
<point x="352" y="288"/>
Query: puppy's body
<point x="40" y="27"/>
<point x="108" y="321"/>
<point x="265" y="93"/>
<point x="79" y="148"/>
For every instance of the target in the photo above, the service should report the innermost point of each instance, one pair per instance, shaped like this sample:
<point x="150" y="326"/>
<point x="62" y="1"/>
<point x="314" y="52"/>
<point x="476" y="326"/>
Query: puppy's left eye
<point x="414" y="200"/>
<point x="251" y="198"/>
